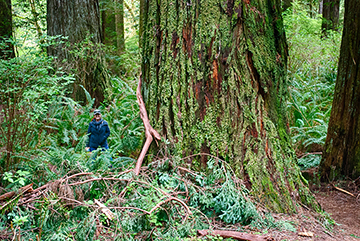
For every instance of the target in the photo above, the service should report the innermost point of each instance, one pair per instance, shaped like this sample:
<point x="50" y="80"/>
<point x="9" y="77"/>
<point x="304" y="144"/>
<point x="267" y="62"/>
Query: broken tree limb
<point x="19" y="193"/>
<point x="105" y="210"/>
<point x="188" y="212"/>
<point x="234" y="235"/>
<point x="306" y="234"/>
<point x="22" y="190"/>
<point x="149" y="131"/>
<point x="342" y="190"/>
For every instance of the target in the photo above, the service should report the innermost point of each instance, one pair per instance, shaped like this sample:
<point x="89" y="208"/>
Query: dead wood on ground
<point x="235" y="235"/>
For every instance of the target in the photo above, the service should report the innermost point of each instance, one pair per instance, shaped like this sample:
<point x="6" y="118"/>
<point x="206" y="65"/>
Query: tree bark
<point x="79" y="21"/>
<point x="330" y="15"/>
<point x="342" y="147"/>
<point x="6" y="29"/>
<point x="113" y="25"/>
<point x="120" y="30"/>
<point x="214" y="81"/>
<point x="321" y="6"/>
<point x="141" y="21"/>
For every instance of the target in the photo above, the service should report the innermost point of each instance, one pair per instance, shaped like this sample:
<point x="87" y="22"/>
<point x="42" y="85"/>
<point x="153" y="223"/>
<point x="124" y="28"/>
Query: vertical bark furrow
<point x="221" y="86"/>
<point x="79" y="21"/>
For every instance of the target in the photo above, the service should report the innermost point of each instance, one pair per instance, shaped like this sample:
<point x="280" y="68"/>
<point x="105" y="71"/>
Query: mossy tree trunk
<point x="342" y="147"/>
<point x="214" y="81"/>
<point x="6" y="29"/>
<point x="79" y="21"/>
<point x="330" y="14"/>
<point x="141" y="21"/>
<point x="112" y="14"/>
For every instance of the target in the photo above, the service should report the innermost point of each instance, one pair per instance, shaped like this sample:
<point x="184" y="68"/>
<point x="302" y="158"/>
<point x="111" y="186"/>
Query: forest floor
<point x="307" y="225"/>
<point x="343" y="208"/>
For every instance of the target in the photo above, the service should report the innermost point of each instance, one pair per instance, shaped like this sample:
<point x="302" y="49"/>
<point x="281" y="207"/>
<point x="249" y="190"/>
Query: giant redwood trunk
<point x="342" y="147"/>
<point x="6" y="29"/>
<point x="79" y="21"/>
<point x="214" y="82"/>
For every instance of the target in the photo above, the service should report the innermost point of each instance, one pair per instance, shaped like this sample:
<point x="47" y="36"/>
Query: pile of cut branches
<point x="166" y="201"/>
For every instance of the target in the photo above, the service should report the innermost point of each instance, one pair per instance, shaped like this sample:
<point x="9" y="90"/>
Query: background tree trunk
<point x="286" y="4"/>
<point x="321" y="6"/>
<point x="120" y="30"/>
<point x="113" y="25"/>
<point x="79" y="21"/>
<point x="214" y="81"/>
<point x="330" y="15"/>
<point x="342" y="146"/>
<point x="6" y="29"/>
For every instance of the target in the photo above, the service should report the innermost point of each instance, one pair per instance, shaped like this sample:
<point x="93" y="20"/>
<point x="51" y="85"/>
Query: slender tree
<point x="79" y="21"/>
<point x="342" y="147"/>
<point x="330" y="14"/>
<point x="214" y="83"/>
<point x="6" y="29"/>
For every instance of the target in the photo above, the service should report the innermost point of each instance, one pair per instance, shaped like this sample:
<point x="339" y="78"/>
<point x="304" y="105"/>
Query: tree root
<point x="150" y="132"/>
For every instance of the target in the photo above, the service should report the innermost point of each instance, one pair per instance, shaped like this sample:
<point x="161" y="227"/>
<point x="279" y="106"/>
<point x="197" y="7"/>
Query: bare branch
<point x="149" y="131"/>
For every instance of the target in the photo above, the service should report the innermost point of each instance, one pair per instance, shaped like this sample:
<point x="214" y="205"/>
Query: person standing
<point x="98" y="133"/>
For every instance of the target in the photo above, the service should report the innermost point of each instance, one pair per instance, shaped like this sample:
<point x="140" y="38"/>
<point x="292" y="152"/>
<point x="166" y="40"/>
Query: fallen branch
<point x="306" y="234"/>
<point x="19" y="193"/>
<point x="98" y="179"/>
<point x="105" y="210"/>
<point x="22" y="190"/>
<point x="168" y="200"/>
<point x="310" y="153"/>
<point x="78" y="174"/>
<point x="234" y="235"/>
<point x="342" y="190"/>
<point x="149" y="131"/>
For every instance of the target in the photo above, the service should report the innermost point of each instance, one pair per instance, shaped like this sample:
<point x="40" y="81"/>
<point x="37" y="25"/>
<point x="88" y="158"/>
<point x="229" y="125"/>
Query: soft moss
<point x="215" y="81"/>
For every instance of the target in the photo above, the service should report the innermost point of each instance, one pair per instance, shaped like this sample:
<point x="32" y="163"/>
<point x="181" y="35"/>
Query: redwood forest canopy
<point x="236" y="100"/>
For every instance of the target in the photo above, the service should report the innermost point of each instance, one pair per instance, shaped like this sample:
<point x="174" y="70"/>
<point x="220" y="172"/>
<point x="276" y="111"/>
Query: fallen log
<point x="234" y="235"/>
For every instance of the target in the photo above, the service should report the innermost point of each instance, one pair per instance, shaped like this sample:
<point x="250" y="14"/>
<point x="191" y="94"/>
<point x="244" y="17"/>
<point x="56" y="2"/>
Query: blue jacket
<point x="98" y="133"/>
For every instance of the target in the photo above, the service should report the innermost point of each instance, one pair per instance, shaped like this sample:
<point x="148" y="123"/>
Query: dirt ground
<point x="343" y="208"/>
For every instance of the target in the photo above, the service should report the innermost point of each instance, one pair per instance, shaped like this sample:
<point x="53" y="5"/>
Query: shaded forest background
<point x="51" y="82"/>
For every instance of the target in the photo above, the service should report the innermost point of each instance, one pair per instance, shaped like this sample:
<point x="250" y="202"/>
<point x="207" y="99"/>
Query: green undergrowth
<point x="312" y="69"/>
<point x="37" y="114"/>
<point x="166" y="202"/>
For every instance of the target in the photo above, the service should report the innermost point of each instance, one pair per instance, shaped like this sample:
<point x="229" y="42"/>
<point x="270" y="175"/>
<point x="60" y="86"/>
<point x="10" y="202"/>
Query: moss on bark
<point x="215" y="81"/>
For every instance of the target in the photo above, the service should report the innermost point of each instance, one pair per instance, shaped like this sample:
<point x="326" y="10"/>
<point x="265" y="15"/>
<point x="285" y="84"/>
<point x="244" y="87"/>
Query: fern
<point x="312" y="74"/>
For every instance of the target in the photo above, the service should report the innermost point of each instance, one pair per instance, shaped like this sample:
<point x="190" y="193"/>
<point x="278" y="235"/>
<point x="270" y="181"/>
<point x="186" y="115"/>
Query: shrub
<point x="28" y="85"/>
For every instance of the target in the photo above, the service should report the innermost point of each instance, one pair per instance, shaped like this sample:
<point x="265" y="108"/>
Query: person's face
<point x="97" y="117"/>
